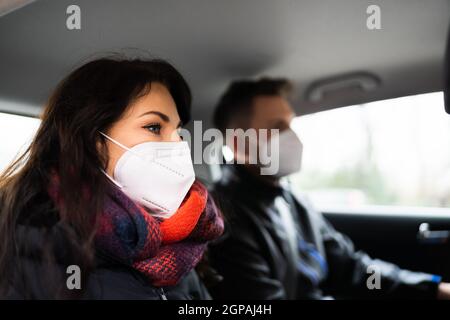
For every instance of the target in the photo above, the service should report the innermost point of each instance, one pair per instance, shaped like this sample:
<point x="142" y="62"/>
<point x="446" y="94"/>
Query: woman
<point x="104" y="203"/>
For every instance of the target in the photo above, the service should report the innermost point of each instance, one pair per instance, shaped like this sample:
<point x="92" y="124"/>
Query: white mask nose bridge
<point x="140" y="156"/>
<point x="157" y="153"/>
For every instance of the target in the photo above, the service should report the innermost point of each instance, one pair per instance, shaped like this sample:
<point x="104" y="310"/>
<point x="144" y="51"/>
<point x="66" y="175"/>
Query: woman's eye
<point x="154" y="128"/>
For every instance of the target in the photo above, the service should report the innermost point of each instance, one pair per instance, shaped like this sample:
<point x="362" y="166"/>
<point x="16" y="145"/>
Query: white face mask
<point x="289" y="155"/>
<point x="157" y="175"/>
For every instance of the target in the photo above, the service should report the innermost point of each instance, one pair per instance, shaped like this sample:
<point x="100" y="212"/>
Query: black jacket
<point x="258" y="256"/>
<point x="109" y="279"/>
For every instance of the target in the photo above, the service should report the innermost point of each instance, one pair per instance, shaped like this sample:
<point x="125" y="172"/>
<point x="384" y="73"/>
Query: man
<point x="275" y="245"/>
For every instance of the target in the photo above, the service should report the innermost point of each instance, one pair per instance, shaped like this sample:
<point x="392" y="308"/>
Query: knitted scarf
<point x="163" y="250"/>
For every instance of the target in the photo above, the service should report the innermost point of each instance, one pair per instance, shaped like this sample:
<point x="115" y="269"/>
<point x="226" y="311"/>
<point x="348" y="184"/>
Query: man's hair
<point x="238" y="98"/>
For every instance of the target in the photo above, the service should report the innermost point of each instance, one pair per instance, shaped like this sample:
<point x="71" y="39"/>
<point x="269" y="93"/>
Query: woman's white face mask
<point x="157" y="175"/>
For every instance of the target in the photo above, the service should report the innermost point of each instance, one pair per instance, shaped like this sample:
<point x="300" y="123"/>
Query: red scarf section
<point x="163" y="250"/>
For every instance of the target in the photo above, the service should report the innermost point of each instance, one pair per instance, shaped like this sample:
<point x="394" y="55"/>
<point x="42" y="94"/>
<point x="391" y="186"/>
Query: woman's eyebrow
<point x="163" y="116"/>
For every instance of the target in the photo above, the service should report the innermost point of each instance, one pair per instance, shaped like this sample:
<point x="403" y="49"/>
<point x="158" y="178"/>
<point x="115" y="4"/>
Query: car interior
<point x="325" y="48"/>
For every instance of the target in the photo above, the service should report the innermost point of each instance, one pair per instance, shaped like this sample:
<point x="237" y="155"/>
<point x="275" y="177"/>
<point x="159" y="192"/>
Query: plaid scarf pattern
<point x="164" y="250"/>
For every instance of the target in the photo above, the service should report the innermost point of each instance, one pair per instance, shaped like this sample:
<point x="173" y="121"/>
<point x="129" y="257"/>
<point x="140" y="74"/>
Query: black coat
<point x="258" y="261"/>
<point x="109" y="279"/>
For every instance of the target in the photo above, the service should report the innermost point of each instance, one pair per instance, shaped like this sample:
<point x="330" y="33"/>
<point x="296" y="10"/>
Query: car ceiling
<point x="213" y="42"/>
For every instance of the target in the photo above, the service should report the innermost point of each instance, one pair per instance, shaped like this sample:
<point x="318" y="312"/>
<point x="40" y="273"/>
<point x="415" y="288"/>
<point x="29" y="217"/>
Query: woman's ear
<point x="102" y="150"/>
<point x="100" y="144"/>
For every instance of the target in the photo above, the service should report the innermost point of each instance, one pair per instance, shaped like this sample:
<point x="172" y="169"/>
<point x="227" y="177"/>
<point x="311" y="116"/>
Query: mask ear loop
<point x="114" y="141"/>
<point x="104" y="172"/>
<point x="121" y="145"/>
<point x="111" y="179"/>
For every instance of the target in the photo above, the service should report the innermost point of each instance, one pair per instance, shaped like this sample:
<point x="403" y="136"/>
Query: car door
<point x="415" y="239"/>
<point x="380" y="173"/>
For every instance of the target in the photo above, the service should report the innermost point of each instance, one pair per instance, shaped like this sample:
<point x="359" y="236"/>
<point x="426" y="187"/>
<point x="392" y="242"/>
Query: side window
<point x="394" y="152"/>
<point x="16" y="133"/>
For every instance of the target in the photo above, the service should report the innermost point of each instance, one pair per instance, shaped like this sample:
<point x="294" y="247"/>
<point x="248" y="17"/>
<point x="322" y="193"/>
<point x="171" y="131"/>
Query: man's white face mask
<point x="288" y="154"/>
<point x="157" y="175"/>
